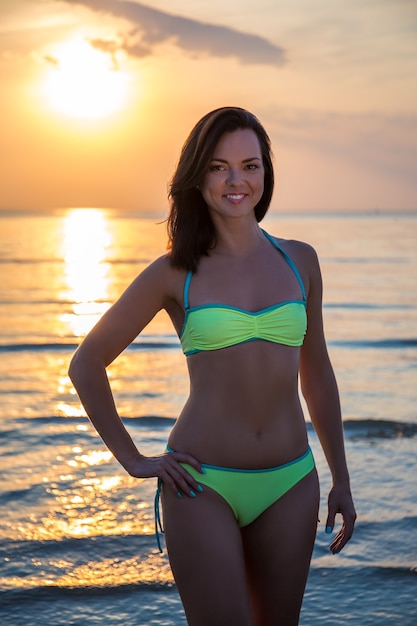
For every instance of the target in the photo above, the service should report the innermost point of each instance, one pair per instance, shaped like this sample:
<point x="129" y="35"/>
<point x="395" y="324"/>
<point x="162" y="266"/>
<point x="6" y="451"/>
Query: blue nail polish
<point x="192" y="494"/>
<point x="179" y="494"/>
<point x="200" y="488"/>
<point x="203" y="471"/>
<point x="329" y="529"/>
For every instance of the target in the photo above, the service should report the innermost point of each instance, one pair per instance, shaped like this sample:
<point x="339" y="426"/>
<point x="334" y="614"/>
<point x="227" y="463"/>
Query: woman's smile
<point x="235" y="198"/>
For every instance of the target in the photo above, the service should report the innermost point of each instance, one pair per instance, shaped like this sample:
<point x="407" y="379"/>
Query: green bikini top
<point x="215" y="326"/>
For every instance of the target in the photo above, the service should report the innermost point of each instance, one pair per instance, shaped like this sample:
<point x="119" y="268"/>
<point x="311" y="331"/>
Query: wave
<point x="169" y="342"/>
<point x="150" y="421"/>
<point x="39" y="593"/>
<point x="150" y="343"/>
<point x="374" y="571"/>
<point x="365" y="428"/>
<point x="365" y="260"/>
<point x="350" y="306"/>
<point x="369" y="306"/>
<point x="120" y="556"/>
<point x="123" y="547"/>
<point x="379" y="429"/>
<point x="54" y="301"/>
<point x="52" y="592"/>
<point x="389" y="343"/>
<point x="37" y="347"/>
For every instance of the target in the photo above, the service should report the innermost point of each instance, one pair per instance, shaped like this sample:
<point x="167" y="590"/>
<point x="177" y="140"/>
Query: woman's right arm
<point x="148" y="294"/>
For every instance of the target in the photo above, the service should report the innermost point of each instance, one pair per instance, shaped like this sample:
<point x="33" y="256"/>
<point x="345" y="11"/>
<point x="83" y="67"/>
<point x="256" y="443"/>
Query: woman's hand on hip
<point x="168" y="468"/>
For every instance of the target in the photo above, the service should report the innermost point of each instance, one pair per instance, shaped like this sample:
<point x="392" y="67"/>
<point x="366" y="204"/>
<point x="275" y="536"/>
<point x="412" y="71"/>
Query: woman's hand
<point x="167" y="467"/>
<point x="340" y="501"/>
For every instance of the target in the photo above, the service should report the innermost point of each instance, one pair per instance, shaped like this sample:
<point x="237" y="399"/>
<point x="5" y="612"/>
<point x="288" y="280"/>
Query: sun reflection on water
<point x="85" y="495"/>
<point x="85" y="243"/>
<point x="95" y="503"/>
<point x="101" y="573"/>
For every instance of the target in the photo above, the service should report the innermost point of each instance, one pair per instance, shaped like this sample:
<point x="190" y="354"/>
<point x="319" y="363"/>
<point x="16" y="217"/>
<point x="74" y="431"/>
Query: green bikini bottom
<point x="248" y="492"/>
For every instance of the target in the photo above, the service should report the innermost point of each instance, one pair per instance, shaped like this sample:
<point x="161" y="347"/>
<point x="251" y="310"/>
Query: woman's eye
<point x="216" y="168"/>
<point x="252" y="166"/>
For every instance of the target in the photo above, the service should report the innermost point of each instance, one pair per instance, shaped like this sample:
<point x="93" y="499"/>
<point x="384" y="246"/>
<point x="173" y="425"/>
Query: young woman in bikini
<point x="238" y="483"/>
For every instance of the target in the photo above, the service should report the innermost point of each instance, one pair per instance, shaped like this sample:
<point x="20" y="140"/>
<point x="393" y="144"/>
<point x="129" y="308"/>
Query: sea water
<point x="77" y="541"/>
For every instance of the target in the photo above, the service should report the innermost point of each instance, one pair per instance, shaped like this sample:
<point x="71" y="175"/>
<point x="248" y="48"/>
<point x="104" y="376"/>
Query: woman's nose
<point x="234" y="177"/>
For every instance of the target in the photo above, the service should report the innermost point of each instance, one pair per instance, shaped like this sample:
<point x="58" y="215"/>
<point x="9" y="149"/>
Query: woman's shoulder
<point x="162" y="272"/>
<point x="298" y="250"/>
<point x="162" y="268"/>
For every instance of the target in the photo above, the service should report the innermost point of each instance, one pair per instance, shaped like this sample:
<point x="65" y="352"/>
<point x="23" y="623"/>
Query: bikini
<point x="216" y="326"/>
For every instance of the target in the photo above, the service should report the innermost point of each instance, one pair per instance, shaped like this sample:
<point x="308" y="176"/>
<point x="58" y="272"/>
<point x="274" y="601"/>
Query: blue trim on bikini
<point x="157" y="515"/>
<point x="205" y="306"/>
<point x="252" y="471"/>
<point x="289" y="261"/>
<point x="186" y="289"/>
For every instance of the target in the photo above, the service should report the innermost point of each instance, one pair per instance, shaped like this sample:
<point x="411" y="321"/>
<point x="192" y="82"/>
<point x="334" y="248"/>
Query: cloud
<point x="108" y="46"/>
<point x="51" y="60"/>
<point x="151" y="27"/>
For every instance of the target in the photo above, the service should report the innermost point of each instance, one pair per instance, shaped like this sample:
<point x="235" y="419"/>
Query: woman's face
<point x="234" y="183"/>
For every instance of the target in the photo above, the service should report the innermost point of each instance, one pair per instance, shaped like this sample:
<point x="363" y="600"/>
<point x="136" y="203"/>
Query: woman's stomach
<point x="243" y="411"/>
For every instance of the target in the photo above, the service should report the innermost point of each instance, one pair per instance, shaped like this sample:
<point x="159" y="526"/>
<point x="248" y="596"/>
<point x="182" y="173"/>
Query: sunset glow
<point x="84" y="82"/>
<point x="98" y="97"/>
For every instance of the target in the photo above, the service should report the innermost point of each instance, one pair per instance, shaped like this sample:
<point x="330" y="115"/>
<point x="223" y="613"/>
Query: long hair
<point x="191" y="231"/>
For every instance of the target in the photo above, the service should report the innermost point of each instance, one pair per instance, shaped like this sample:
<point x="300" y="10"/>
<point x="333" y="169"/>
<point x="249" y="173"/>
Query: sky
<point x="98" y="96"/>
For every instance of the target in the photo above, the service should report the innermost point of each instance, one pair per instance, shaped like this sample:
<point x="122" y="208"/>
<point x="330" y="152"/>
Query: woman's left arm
<point x="319" y="388"/>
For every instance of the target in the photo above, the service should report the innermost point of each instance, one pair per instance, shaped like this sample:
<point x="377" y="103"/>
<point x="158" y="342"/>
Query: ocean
<point x="77" y="542"/>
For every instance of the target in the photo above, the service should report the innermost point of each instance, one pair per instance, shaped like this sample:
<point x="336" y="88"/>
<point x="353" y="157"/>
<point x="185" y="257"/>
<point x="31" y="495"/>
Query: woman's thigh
<point x="206" y="555"/>
<point x="278" y="546"/>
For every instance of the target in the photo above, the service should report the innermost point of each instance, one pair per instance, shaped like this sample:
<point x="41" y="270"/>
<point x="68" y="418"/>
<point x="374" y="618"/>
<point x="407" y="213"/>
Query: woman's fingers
<point x="340" y="501"/>
<point x="181" y="479"/>
<point x="168" y="467"/>
<point x="188" y="459"/>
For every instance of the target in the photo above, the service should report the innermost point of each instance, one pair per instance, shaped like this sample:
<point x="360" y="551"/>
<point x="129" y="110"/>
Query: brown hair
<point x="190" y="228"/>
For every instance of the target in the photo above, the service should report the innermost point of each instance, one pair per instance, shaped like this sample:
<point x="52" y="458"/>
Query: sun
<point x="83" y="81"/>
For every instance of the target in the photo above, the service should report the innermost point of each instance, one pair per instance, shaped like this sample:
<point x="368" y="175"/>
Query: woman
<point x="239" y="488"/>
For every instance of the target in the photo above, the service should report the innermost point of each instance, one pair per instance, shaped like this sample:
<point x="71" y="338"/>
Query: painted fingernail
<point x="329" y="529"/>
<point x="179" y="494"/>
<point x="200" y="488"/>
<point x="203" y="471"/>
<point x="193" y="494"/>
